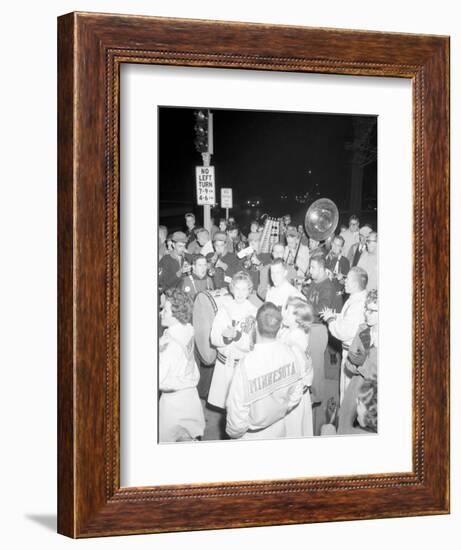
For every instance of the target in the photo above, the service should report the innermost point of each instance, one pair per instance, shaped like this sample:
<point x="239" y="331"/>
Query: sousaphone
<point x="321" y="219"/>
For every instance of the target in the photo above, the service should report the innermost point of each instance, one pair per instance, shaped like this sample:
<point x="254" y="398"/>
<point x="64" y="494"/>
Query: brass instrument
<point x="321" y="219"/>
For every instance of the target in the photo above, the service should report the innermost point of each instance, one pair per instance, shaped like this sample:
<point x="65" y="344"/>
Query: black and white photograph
<point x="267" y="274"/>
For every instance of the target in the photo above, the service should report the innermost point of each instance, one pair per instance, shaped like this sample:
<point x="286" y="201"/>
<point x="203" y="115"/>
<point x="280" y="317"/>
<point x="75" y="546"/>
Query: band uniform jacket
<point x="170" y="273"/>
<point x="254" y="271"/>
<point x="231" y="267"/>
<point x="180" y="410"/>
<point x="192" y="285"/>
<point x="266" y="386"/>
<point x="320" y="295"/>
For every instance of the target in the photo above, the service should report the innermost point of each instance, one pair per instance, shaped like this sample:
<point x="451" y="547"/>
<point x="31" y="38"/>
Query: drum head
<point x="205" y="308"/>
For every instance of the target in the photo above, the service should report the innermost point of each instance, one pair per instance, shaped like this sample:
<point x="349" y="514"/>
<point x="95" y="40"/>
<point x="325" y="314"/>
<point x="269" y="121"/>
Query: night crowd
<point x="277" y="316"/>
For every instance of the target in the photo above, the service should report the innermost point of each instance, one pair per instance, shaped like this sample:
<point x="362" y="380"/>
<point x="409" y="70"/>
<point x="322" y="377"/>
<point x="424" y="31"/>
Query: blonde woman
<point x="232" y="334"/>
<point x="297" y="318"/>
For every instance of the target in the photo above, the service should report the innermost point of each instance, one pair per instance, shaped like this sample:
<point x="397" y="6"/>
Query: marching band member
<point x="180" y="411"/>
<point x="174" y="264"/>
<point x="204" y="241"/>
<point x="198" y="280"/>
<point x="320" y="294"/>
<point x="223" y="264"/>
<point x="254" y="263"/>
<point x="232" y="334"/>
<point x="267" y="385"/>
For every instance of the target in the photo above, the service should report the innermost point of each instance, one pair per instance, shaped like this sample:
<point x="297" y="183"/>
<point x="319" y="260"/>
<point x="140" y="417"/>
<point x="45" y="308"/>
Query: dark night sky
<point x="260" y="153"/>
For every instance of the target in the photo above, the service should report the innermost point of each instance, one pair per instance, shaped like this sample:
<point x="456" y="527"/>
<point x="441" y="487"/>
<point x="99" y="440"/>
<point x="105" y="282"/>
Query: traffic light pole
<point x="206" y="162"/>
<point x="206" y="207"/>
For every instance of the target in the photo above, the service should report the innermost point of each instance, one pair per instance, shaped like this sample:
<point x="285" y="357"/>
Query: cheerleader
<point x="233" y="335"/>
<point x="297" y="317"/>
<point x="180" y="411"/>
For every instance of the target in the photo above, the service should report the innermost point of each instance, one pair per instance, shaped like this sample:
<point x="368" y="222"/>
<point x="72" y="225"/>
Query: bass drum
<point x="206" y="305"/>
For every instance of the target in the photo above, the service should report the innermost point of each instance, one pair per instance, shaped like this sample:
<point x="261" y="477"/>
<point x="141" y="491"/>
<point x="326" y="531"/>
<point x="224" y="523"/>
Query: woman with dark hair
<point x="180" y="411"/>
<point x="297" y="318"/>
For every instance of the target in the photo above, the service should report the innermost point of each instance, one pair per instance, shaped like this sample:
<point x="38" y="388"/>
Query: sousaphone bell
<point x="321" y="219"/>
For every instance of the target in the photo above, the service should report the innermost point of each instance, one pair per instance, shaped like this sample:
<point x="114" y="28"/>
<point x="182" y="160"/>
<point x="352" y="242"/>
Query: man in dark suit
<point x="174" y="264"/>
<point x="223" y="264"/>
<point x="356" y="249"/>
<point x="337" y="267"/>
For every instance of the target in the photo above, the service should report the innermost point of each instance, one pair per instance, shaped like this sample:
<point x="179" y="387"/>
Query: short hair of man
<point x="268" y="320"/>
<point x="197" y="257"/>
<point x="201" y="230"/>
<point x="361" y="276"/>
<point x="339" y="238"/>
<point x="319" y="259"/>
<point x="279" y="261"/>
<point x="353" y="218"/>
<point x="189" y="215"/>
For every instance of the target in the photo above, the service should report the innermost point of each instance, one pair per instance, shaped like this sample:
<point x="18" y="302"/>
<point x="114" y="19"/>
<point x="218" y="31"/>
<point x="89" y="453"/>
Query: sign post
<point x="206" y="191"/>
<point x="226" y="199"/>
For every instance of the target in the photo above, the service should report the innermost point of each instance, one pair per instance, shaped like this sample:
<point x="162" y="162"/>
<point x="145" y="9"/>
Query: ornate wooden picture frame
<point x="92" y="48"/>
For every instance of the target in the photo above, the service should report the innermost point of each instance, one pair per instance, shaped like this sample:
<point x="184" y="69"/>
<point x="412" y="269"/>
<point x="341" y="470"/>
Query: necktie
<point x="358" y="253"/>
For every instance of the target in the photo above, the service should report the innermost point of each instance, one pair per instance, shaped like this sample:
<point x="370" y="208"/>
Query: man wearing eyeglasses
<point x="350" y="235"/>
<point x="369" y="260"/>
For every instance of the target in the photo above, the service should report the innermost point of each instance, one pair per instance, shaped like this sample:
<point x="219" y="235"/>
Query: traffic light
<point x="201" y="130"/>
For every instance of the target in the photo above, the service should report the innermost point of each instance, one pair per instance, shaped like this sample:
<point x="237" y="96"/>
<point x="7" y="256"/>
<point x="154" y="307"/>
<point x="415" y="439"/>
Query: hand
<point x="327" y="314"/>
<point x="351" y="367"/>
<point x="254" y="260"/>
<point x="222" y="265"/>
<point x="229" y="332"/>
<point x="186" y="268"/>
<point x="329" y="274"/>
